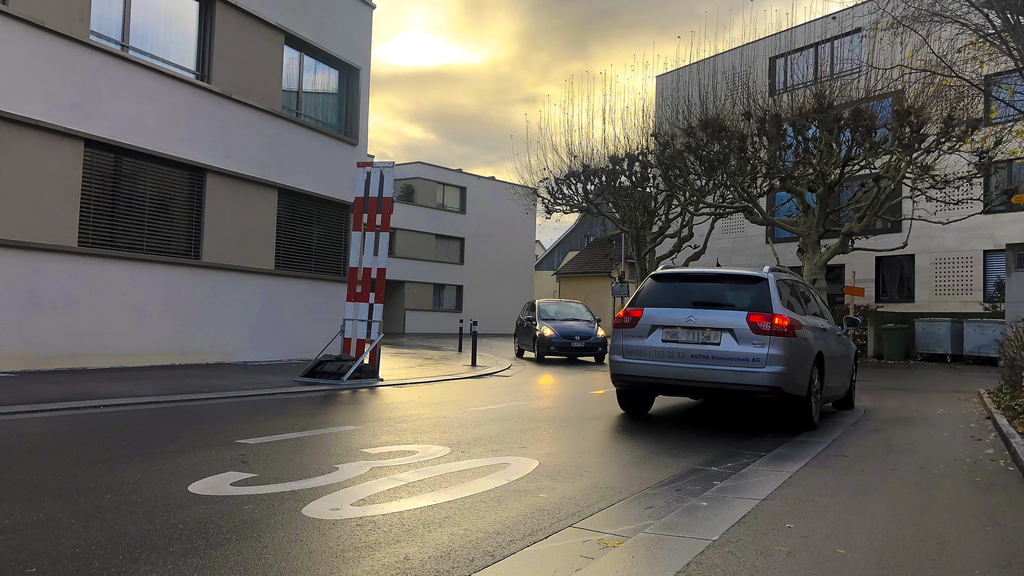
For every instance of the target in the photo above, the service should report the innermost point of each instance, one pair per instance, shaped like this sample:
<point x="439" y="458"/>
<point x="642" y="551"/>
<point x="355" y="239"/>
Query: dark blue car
<point x="559" y="328"/>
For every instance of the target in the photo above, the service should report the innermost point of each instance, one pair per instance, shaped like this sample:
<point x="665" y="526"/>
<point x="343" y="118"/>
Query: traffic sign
<point x="1018" y="199"/>
<point x="853" y="291"/>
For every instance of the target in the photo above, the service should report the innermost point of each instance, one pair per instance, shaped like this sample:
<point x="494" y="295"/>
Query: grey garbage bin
<point x="981" y="337"/>
<point x="944" y="336"/>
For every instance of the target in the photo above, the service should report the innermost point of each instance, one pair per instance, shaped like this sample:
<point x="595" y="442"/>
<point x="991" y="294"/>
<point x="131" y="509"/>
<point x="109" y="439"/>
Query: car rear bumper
<point x="668" y="379"/>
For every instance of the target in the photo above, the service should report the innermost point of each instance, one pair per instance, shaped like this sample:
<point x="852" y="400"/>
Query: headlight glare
<point x="600" y="332"/>
<point x="547" y="331"/>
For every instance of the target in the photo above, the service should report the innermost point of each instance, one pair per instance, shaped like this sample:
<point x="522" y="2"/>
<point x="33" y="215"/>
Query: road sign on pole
<point x="1018" y="199"/>
<point x="853" y="291"/>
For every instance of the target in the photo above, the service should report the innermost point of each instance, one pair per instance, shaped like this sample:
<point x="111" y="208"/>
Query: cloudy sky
<point x="453" y="81"/>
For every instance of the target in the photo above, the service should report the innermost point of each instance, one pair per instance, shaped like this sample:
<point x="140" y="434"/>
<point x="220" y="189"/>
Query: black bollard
<point x="460" y="334"/>
<point x="473" y="329"/>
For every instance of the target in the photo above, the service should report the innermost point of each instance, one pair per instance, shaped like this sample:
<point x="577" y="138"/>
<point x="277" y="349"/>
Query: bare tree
<point x="594" y="153"/>
<point x="987" y="37"/>
<point x="827" y="150"/>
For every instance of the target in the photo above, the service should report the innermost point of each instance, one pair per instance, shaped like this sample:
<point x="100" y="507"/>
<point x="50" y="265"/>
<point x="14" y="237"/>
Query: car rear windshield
<point x="705" y="291"/>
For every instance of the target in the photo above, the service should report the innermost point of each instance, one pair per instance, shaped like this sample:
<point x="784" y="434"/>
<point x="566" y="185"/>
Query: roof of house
<point x="601" y="256"/>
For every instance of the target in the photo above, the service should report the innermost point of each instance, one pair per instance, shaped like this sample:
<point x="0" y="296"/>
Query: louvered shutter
<point x="136" y="203"/>
<point x="312" y="235"/>
<point x="448" y="249"/>
<point x="995" y="275"/>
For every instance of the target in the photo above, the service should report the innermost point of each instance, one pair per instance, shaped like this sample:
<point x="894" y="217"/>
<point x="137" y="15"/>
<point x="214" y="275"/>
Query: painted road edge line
<point x="493" y="406"/>
<point x="1014" y="445"/>
<point x="291" y="435"/>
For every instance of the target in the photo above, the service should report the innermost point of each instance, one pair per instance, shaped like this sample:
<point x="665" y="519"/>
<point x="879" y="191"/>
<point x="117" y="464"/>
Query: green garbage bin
<point x="895" y="342"/>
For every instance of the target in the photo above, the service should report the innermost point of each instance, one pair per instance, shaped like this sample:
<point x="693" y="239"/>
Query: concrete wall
<point x="594" y="291"/>
<point x="545" y="284"/>
<point x="247" y="56"/>
<point x="68" y="16"/>
<point x="1014" y="285"/>
<point x="394" y="308"/>
<point x="497" y="276"/>
<point x="412" y="244"/>
<point x="239" y="222"/>
<point x="69" y="310"/>
<point x="70" y="84"/>
<point x="40" y="184"/>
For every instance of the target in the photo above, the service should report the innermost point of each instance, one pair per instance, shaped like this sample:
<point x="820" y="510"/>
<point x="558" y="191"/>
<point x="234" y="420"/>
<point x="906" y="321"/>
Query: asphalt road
<point x="106" y="491"/>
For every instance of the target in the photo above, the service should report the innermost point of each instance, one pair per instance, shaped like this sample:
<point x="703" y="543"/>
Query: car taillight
<point x="773" y="325"/>
<point x="627" y="318"/>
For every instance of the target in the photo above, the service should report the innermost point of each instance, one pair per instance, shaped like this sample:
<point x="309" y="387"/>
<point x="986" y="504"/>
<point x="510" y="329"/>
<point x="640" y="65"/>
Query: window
<point x="850" y="200"/>
<point x="790" y="297"/>
<point x="451" y="198"/>
<point x="704" y="291"/>
<point x="995" y="276"/>
<point x="1003" y="181"/>
<point x="136" y="203"/>
<point x="447" y="297"/>
<point x="406" y="192"/>
<point x="894" y="279"/>
<point x="312" y="235"/>
<point x="1004" y="96"/>
<point x="837" y="56"/>
<point x="165" y="32"/>
<point x="448" y="249"/>
<point x="319" y="92"/>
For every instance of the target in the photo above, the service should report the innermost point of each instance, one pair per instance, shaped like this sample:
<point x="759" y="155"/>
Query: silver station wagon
<point x="702" y="333"/>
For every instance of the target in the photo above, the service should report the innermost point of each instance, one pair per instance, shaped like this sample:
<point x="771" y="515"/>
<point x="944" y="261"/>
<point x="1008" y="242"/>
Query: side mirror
<point x="598" y="320"/>
<point x="530" y="320"/>
<point x="851" y="323"/>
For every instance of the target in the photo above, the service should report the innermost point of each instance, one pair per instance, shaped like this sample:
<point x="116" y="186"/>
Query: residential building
<point x="588" y="274"/>
<point x="538" y="249"/>
<point x="460" y="248"/>
<point x="176" y="177"/>
<point x="583" y="231"/>
<point x="951" y="270"/>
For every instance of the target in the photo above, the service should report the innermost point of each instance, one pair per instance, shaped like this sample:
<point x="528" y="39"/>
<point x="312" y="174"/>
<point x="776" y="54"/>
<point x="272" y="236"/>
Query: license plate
<point x="690" y="336"/>
<point x="578" y="344"/>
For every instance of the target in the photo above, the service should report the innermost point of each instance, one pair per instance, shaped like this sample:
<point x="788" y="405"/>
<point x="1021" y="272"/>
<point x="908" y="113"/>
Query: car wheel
<point x="519" y="350"/>
<point x="635" y="403"/>
<point x="599" y="358"/>
<point x="538" y="355"/>
<point x="809" y="407"/>
<point x="849" y="402"/>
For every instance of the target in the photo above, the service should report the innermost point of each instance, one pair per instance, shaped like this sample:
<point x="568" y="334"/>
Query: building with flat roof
<point x="176" y="183"/>
<point x="461" y="247"/>
<point x="951" y="270"/>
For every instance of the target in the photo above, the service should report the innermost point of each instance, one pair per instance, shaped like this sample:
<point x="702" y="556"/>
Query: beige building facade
<point x="175" y="186"/>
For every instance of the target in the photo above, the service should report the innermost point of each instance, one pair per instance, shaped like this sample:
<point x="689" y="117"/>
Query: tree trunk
<point x="814" y="266"/>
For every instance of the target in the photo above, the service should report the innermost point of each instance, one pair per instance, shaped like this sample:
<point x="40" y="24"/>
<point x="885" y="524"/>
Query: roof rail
<point x="777" y="270"/>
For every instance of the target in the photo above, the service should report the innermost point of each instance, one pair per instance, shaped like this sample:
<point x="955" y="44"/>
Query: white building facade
<point x="946" y="270"/>
<point x="176" y="177"/>
<point x="462" y="247"/>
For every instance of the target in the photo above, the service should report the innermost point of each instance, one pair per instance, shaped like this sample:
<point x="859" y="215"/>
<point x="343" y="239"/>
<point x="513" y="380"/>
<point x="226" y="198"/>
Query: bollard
<point x="460" y="335"/>
<point x="473" y="329"/>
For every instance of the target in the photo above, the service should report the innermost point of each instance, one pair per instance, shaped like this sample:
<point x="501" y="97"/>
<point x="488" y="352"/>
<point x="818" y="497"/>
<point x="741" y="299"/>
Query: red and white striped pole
<point x="367" y="271"/>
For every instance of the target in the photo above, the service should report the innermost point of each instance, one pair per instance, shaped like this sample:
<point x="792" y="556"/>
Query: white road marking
<point x="221" y="484"/>
<point x="291" y="435"/>
<point x="500" y="405"/>
<point x="339" y="505"/>
<point x="602" y="391"/>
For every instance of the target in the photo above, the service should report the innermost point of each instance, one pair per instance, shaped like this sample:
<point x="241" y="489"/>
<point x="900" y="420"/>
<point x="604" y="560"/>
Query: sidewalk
<point x="920" y="485"/>
<point x="407" y="360"/>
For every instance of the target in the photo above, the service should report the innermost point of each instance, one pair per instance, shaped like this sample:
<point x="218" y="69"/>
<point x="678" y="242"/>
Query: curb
<point x="1014" y="445"/>
<point x="502" y="365"/>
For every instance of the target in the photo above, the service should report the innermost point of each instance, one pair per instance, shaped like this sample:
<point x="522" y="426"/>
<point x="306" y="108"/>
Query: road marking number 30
<point x="340" y="505"/>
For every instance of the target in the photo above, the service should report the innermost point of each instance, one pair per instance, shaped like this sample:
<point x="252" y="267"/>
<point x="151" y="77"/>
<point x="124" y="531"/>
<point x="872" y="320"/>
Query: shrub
<point x="1009" y="395"/>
